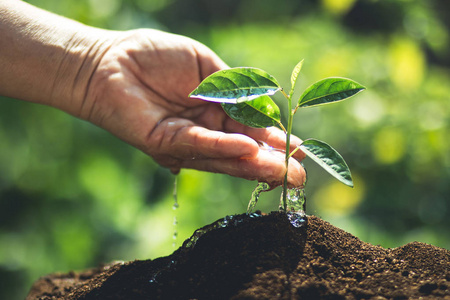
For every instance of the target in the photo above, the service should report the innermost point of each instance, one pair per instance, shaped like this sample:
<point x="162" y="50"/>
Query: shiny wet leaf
<point x="236" y="85"/>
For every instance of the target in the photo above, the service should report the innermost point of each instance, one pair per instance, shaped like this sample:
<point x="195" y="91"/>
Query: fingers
<point x="179" y="144"/>
<point x="267" y="166"/>
<point x="198" y="142"/>
<point x="271" y="136"/>
<point x="181" y="139"/>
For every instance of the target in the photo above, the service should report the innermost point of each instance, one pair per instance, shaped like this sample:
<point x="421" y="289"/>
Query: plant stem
<point x="288" y="143"/>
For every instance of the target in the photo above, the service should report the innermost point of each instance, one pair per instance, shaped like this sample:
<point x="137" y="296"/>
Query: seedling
<point x="244" y="94"/>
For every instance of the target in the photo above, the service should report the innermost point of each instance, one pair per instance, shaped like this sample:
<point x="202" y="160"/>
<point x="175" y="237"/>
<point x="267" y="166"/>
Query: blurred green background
<point x="73" y="196"/>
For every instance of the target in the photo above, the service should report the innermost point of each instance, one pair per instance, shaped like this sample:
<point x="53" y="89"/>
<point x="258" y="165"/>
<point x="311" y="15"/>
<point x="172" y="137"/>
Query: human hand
<point x="135" y="84"/>
<point x="139" y="92"/>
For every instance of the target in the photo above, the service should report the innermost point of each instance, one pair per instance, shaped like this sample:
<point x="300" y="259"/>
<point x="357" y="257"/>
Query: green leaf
<point x="294" y="76"/>
<point x="329" y="159"/>
<point x="236" y="85"/>
<point x="329" y="90"/>
<point x="259" y="113"/>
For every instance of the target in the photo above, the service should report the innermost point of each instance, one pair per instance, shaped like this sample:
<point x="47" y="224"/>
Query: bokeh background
<point x="73" y="196"/>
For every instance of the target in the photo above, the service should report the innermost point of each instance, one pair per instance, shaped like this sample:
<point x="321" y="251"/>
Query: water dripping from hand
<point x="261" y="187"/>
<point x="175" y="206"/>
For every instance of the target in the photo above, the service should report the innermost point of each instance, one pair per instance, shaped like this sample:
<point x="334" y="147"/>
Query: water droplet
<point x="261" y="187"/>
<point x="297" y="219"/>
<point x="174" y="195"/>
<point x="153" y="279"/>
<point x="265" y="146"/>
<point x="174" y="237"/>
<point x="175" y="206"/>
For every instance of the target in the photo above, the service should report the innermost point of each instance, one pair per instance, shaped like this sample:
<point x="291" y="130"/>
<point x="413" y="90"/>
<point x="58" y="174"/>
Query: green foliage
<point x="294" y="77"/>
<point x="329" y="159"/>
<point x="329" y="90"/>
<point x="240" y="91"/>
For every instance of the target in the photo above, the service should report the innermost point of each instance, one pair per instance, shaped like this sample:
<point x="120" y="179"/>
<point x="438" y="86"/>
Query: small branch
<point x="285" y="95"/>
<point x="282" y="127"/>
<point x="293" y="151"/>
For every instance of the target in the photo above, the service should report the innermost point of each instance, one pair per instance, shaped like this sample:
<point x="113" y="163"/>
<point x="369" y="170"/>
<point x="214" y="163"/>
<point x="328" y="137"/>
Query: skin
<point x="135" y="84"/>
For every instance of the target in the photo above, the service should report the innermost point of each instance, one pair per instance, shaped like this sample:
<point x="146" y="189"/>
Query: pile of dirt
<point x="265" y="257"/>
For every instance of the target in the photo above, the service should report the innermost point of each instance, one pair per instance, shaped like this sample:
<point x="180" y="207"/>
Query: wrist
<point x="83" y="53"/>
<point x="46" y="58"/>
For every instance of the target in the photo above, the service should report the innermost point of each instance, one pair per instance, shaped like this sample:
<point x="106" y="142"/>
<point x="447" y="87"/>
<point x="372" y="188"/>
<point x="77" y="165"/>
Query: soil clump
<point x="265" y="257"/>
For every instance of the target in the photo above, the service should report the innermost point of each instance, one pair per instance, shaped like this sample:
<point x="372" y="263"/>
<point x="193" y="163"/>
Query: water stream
<point x="296" y="203"/>
<point x="175" y="206"/>
<point x="261" y="187"/>
<point x="296" y="200"/>
<point x="295" y="206"/>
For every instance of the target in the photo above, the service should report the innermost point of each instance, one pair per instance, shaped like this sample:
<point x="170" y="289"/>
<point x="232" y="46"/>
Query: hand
<point x="139" y="92"/>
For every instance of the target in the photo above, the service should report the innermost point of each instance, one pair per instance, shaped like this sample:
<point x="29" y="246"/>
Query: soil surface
<point x="265" y="257"/>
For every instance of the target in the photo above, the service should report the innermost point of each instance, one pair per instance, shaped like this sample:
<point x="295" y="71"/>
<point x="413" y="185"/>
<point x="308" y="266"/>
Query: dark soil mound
<point x="265" y="257"/>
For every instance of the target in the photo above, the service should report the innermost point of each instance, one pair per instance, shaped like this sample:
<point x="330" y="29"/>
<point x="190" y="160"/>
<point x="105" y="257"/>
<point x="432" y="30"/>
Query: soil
<point x="265" y="257"/>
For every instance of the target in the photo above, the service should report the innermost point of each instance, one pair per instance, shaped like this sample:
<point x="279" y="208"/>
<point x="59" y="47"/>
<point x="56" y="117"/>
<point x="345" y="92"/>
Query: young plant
<point x="244" y="94"/>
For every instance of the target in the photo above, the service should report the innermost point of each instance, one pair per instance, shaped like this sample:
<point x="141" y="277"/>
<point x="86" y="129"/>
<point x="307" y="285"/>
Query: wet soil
<point x="265" y="257"/>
